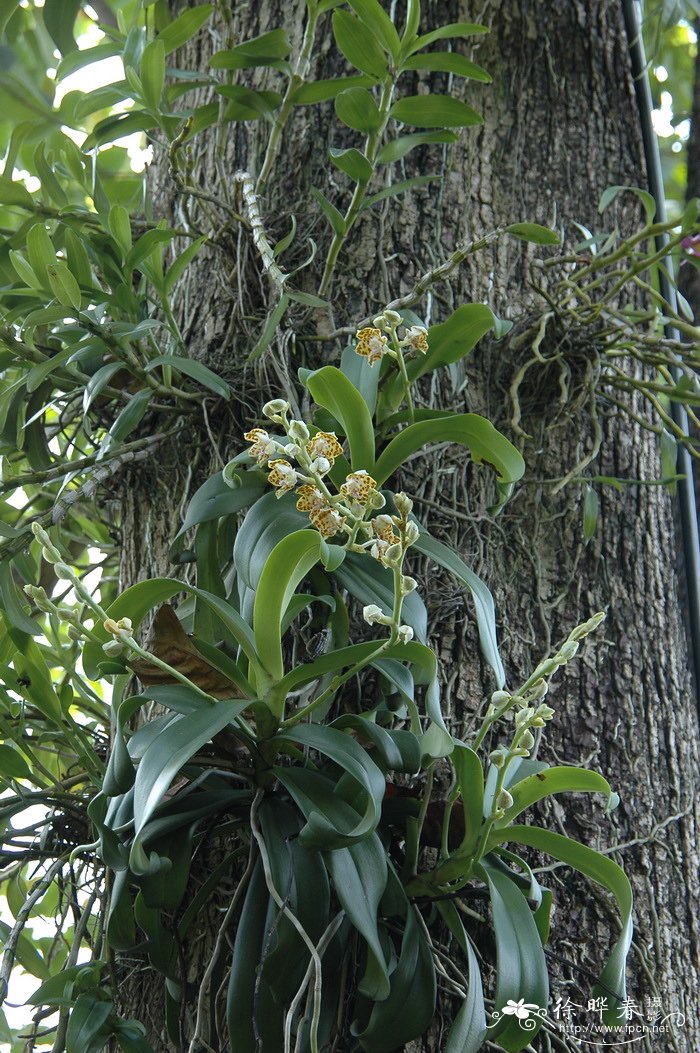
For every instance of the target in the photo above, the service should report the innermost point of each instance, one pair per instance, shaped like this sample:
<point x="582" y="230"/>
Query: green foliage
<point x="257" y="736"/>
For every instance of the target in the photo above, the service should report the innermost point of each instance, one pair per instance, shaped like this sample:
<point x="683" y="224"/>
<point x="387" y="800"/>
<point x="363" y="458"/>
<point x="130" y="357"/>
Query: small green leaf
<point x="374" y="17"/>
<point x="192" y="368"/>
<point x="268" y="49"/>
<point x="435" y="111"/>
<point x="402" y="187"/>
<point x="334" y="217"/>
<point x="59" y="19"/>
<point x="184" y="27"/>
<point x="153" y="72"/>
<point x="448" y="62"/>
<point x="353" y="163"/>
<point x="63" y="285"/>
<point x="12" y="764"/>
<point x="88" y="1029"/>
<point x="604" y="871"/>
<point x="398" y="148"/>
<point x="448" y="32"/>
<point x="246" y="104"/>
<point x="534" y="232"/>
<point x="12" y="193"/>
<point x="323" y="90"/>
<point x="647" y="199"/>
<point x="356" y="108"/>
<point x="360" y="48"/>
<point x="590" y="513"/>
<point x="40" y="250"/>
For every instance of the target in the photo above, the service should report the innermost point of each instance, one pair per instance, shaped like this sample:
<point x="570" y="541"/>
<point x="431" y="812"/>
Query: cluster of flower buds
<point x="381" y="338"/>
<point x="390" y="540"/>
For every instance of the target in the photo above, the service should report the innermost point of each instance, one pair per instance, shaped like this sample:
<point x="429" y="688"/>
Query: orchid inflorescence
<point x="381" y="338"/>
<point x="302" y="464"/>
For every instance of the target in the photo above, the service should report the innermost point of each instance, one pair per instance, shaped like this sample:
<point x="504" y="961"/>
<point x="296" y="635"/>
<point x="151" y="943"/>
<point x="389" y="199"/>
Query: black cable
<point x="686" y="489"/>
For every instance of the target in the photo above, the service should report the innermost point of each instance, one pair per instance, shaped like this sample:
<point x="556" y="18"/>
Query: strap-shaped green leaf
<point x="407" y="1011"/>
<point x="135" y="601"/>
<point x="560" y="779"/>
<point x="470" y="780"/>
<point x="332" y="390"/>
<point x="468" y="1029"/>
<point x="483" y="600"/>
<point x="164" y="758"/>
<point x="469" y="429"/>
<point x="288" y="563"/>
<point x="521" y="965"/>
<point x="321" y="830"/>
<point x="605" y="872"/>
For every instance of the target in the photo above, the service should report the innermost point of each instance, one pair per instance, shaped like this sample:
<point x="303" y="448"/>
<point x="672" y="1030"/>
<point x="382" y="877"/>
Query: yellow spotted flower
<point x="384" y="537"/>
<point x="358" y="486"/>
<point x="263" y="446"/>
<point x="324" y="444"/>
<point x="327" y="521"/>
<point x="371" y="344"/>
<point x="417" y="338"/>
<point x="310" y="498"/>
<point x="282" y="476"/>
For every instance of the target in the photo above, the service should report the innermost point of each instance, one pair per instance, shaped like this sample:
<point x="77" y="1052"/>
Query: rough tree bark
<point x="560" y="125"/>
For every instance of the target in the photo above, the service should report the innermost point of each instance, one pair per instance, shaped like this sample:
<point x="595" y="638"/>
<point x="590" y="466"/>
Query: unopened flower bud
<point x="74" y="632"/>
<point x="408" y="584"/>
<point x="113" y="648"/>
<point x="527" y="740"/>
<point x="321" y="465"/>
<point x="498" y="757"/>
<point x="393" y="555"/>
<point x="538" y="690"/>
<point x="499" y="698"/>
<point x="63" y="571"/>
<point x="392" y="317"/>
<point x="50" y="552"/>
<point x="412" y="533"/>
<point x="404" y="504"/>
<point x="504" y="800"/>
<point x="276" y="410"/>
<point x="376" y="500"/>
<point x="544" y="712"/>
<point x="567" y="652"/>
<point x="298" y="431"/>
<point x="546" y="668"/>
<point x="524" y="716"/>
<point x="41" y="600"/>
<point x="588" y="627"/>
<point x="405" y="634"/>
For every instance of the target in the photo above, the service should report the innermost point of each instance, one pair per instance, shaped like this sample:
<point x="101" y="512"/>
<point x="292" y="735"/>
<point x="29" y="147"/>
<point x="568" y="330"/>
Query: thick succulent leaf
<point x="603" y="870"/>
<point x="521" y="966"/>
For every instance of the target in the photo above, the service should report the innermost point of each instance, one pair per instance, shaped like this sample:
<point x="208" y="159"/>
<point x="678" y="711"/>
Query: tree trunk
<point x="560" y="125"/>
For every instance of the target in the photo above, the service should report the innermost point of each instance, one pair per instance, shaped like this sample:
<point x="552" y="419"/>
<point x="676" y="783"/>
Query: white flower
<point x="374" y="615"/>
<point x="405" y="634"/>
<point x="321" y="465"/>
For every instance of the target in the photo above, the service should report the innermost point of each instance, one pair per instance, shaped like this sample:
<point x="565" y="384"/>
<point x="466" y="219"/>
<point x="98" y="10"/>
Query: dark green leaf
<point x="192" y="368"/>
<point x="59" y="19"/>
<point x="334" y="217"/>
<point x="332" y="390"/>
<point x="87" y="1028"/>
<point x="448" y="32"/>
<point x="323" y="90"/>
<point x="374" y="17"/>
<point x="521" y="966"/>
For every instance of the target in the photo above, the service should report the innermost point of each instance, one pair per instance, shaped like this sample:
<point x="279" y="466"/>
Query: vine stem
<point x="355" y="207"/>
<point x="295" y="81"/>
